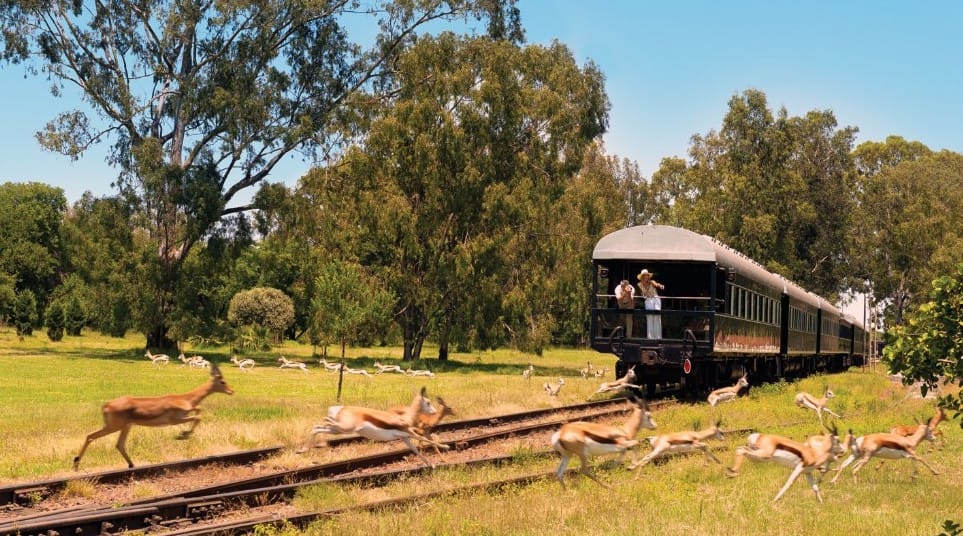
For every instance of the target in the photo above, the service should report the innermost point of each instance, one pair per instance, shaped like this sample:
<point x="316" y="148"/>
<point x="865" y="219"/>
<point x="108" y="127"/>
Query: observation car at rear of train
<point x="722" y="315"/>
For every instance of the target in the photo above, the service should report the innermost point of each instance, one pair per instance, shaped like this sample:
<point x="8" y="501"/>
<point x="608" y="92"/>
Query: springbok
<point x="244" y="364"/>
<point x="157" y="359"/>
<point x="553" y="389"/>
<point x="362" y="372"/>
<point x="329" y="366"/>
<point x="378" y="425"/>
<point x="386" y="368"/>
<point x="888" y="446"/>
<point x="588" y="439"/>
<point x="808" y="401"/>
<point x="122" y="413"/>
<point x="287" y="363"/>
<point x="813" y="455"/>
<point x="679" y="443"/>
<point x="426" y="373"/>
<point x="425" y="423"/>
<point x="587" y="370"/>
<point x="625" y="382"/>
<point x="728" y="394"/>
<point x="527" y="373"/>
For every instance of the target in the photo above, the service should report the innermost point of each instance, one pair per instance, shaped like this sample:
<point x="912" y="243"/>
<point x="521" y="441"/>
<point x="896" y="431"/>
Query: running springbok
<point x="888" y="446"/>
<point x="378" y="425"/>
<point x="813" y="455"/>
<point x="122" y="413"/>
<point x="157" y="359"/>
<point x="728" y="394"/>
<point x="588" y="439"/>
<point x="625" y="382"/>
<point x="425" y="423"/>
<point x="679" y="443"/>
<point x="243" y="364"/>
<point x="806" y="400"/>
<point x="381" y="369"/>
<point x="287" y="363"/>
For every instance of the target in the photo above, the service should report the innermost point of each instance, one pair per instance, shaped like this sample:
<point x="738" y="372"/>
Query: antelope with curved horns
<point x="378" y="425"/>
<point x="288" y="363"/>
<point x="425" y="423"/>
<point x="625" y="382"/>
<point x="906" y="430"/>
<point x="679" y="443"/>
<point x="122" y="413"/>
<point x="728" y="394"/>
<point x="386" y="368"/>
<point x="588" y="439"/>
<point x="804" y="458"/>
<point x="806" y="400"/>
<point x="888" y="446"/>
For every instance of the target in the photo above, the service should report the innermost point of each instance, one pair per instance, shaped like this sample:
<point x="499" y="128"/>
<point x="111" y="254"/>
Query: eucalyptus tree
<point x="776" y="187"/>
<point x="909" y="223"/>
<point x="452" y="197"/>
<point x="201" y="100"/>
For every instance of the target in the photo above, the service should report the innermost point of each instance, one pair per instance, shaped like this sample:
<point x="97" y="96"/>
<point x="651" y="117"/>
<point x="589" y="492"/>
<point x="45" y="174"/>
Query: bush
<point x="25" y="313"/>
<point x="76" y="318"/>
<point x="55" y="319"/>
<point x="262" y="306"/>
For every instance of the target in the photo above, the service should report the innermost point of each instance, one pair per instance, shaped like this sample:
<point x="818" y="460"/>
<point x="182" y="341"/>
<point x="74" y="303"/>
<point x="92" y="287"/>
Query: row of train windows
<point x="751" y="305"/>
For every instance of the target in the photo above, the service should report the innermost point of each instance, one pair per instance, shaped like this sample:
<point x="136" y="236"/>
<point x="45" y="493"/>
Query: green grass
<point x="52" y="393"/>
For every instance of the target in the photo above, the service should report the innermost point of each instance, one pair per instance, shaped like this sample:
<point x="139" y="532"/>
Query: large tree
<point x="452" y="197"/>
<point x="31" y="240"/>
<point x="201" y="100"/>
<point x="776" y="187"/>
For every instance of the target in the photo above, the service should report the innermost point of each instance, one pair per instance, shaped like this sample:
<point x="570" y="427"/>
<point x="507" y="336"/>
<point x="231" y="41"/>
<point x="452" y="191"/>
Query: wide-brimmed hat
<point x="644" y="272"/>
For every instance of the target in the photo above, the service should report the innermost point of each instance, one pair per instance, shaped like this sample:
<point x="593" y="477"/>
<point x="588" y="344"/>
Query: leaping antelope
<point x="804" y="458"/>
<point x="553" y="389"/>
<point x="425" y="423"/>
<point x="194" y="361"/>
<point x="332" y="367"/>
<point x="378" y="425"/>
<point x="888" y="446"/>
<point x="386" y="368"/>
<point x="244" y="364"/>
<point x="806" y="400"/>
<point x="122" y="413"/>
<point x="157" y="359"/>
<point x="287" y="363"/>
<point x="625" y="382"/>
<point x="587" y="370"/>
<point x="527" y="373"/>
<point x="589" y="439"/>
<point x="679" y="443"/>
<point x="426" y="373"/>
<point x="728" y="394"/>
<point x="362" y="372"/>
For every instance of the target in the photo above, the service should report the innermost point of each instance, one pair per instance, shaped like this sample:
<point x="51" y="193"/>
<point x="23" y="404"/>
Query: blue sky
<point x="671" y="67"/>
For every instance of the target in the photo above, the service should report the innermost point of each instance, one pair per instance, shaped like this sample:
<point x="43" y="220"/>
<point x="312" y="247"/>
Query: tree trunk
<point x="157" y="338"/>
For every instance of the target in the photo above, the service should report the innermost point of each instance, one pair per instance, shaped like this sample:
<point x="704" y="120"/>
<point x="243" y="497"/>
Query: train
<point x="722" y="315"/>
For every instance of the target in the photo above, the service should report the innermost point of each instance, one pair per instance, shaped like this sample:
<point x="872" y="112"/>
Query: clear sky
<point x="885" y="67"/>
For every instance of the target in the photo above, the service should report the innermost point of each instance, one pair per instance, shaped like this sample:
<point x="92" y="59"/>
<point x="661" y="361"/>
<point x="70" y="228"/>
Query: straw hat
<point x="644" y="273"/>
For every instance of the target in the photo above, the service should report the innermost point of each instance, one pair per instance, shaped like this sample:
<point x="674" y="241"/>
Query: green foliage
<point x="25" y="312"/>
<point x="55" y="320"/>
<point x="8" y="295"/>
<point x="348" y="302"/>
<point x="928" y="347"/>
<point x="31" y="245"/>
<point x="268" y="308"/>
<point x="76" y="318"/>
<point x="759" y="160"/>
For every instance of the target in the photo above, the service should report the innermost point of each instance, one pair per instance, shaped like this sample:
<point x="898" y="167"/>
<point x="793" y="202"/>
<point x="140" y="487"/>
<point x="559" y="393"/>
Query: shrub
<point x="262" y="306"/>
<point x="55" y="319"/>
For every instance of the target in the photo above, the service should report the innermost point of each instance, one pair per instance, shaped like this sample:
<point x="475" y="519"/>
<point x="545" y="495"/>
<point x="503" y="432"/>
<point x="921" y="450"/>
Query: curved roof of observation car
<point x="666" y="243"/>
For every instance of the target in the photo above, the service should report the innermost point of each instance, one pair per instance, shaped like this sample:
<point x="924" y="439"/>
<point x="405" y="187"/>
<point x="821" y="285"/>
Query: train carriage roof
<point x="663" y="243"/>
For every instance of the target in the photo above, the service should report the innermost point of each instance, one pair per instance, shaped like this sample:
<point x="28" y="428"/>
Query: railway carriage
<point x="722" y="315"/>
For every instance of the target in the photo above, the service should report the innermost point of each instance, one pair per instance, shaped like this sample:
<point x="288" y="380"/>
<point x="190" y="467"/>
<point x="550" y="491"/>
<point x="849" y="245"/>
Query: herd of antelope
<point x="416" y="421"/>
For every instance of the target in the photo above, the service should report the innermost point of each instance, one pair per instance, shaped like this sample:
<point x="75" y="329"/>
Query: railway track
<point x="186" y="509"/>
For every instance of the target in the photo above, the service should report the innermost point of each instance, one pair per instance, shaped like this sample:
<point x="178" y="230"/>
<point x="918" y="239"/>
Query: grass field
<point x="52" y="392"/>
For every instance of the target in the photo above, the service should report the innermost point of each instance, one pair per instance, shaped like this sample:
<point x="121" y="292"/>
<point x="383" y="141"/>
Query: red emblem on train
<point x="687" y="366"/>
